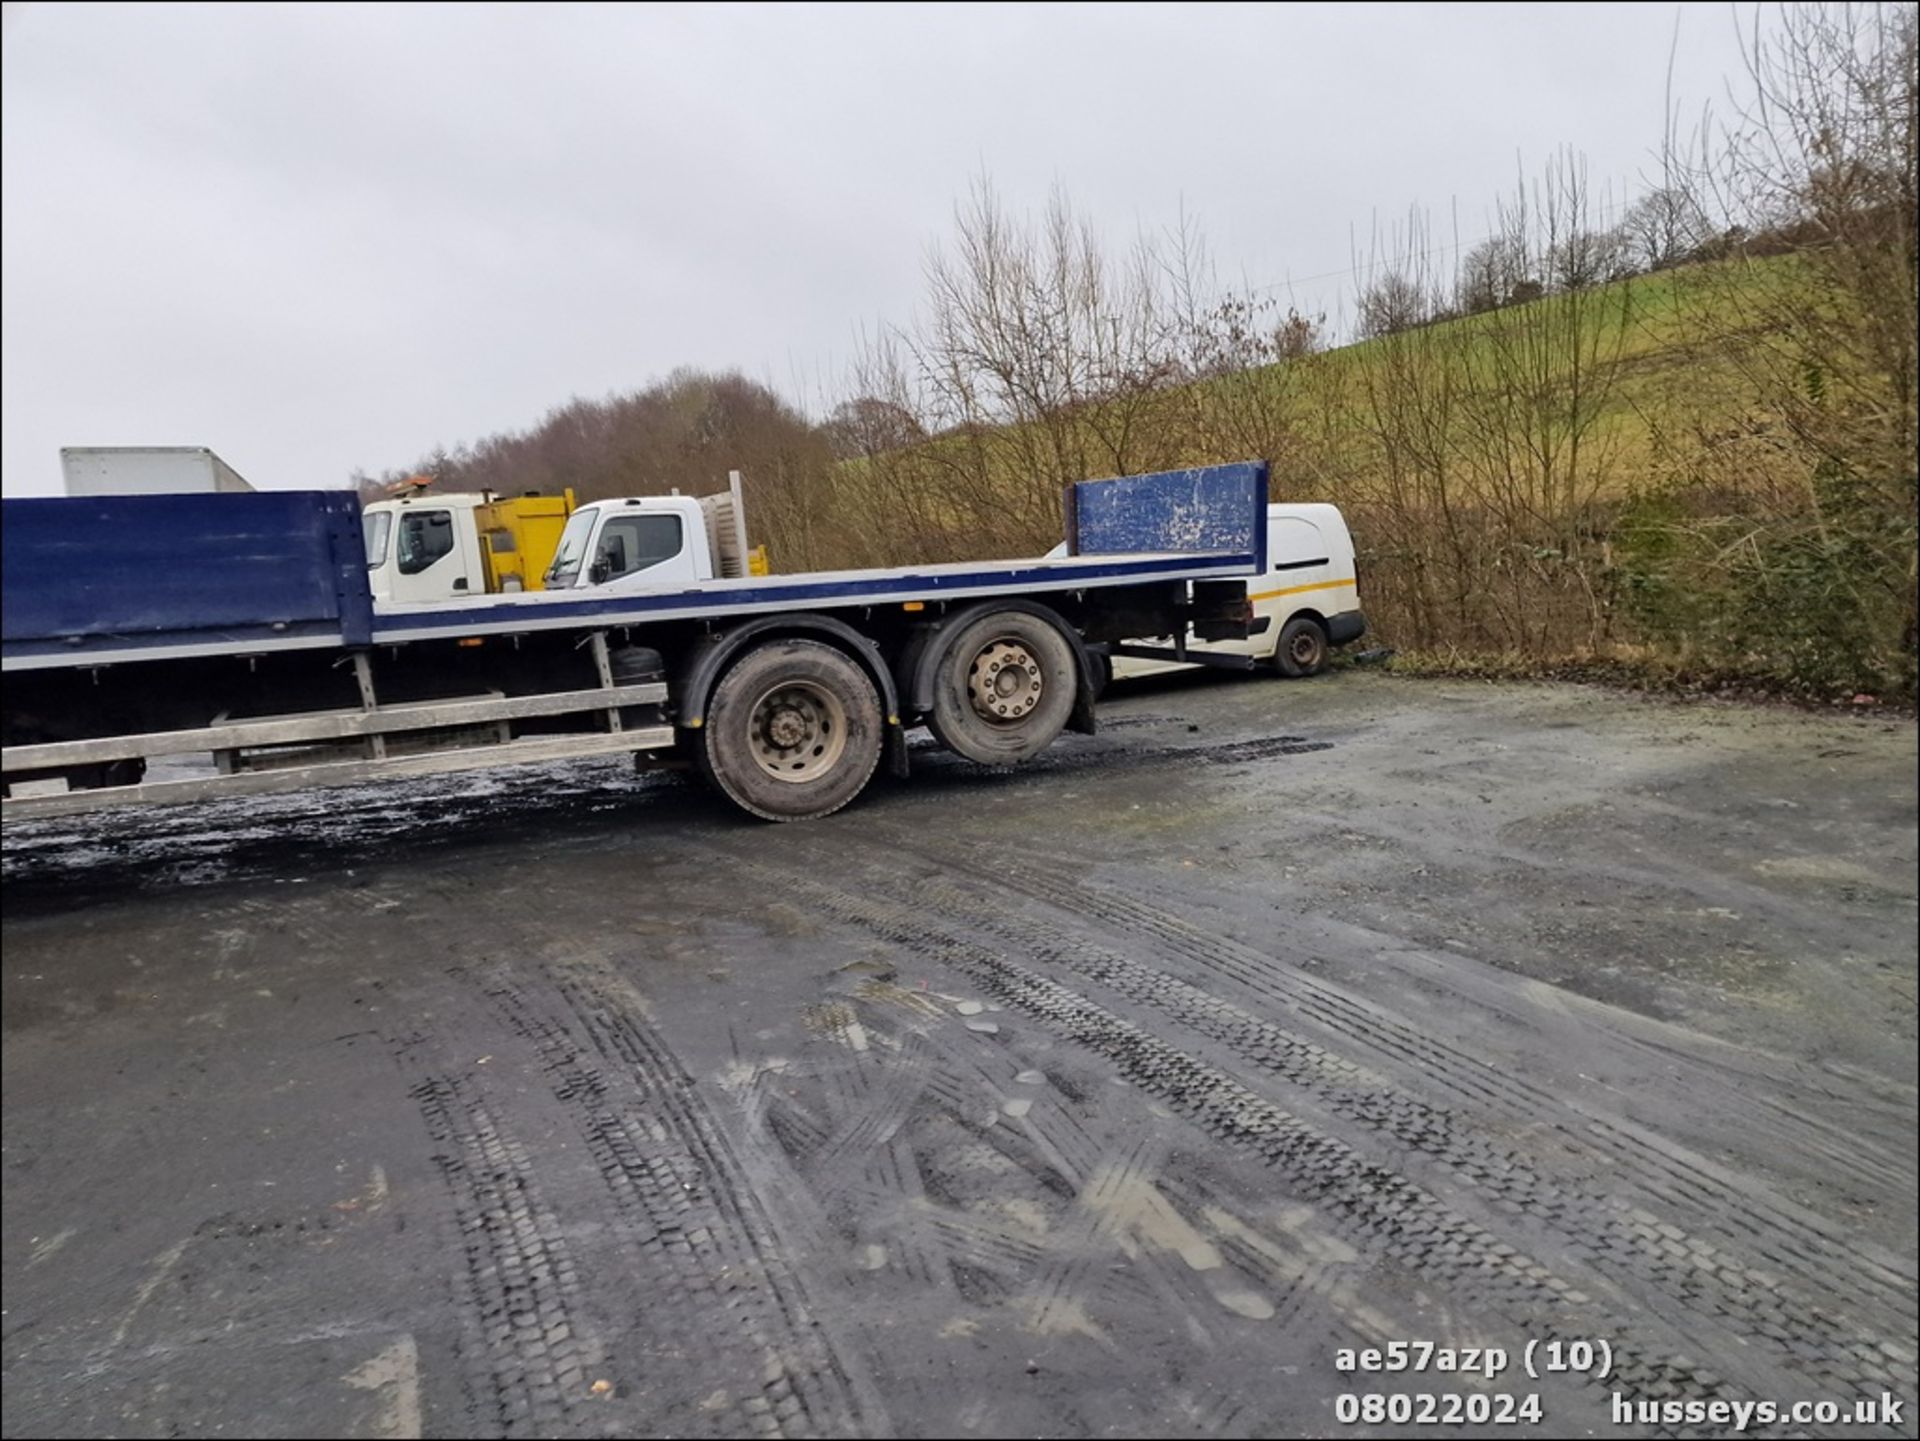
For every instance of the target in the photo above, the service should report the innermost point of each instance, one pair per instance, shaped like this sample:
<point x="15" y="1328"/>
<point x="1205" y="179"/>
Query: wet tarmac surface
<point x="1111" y="1097"/>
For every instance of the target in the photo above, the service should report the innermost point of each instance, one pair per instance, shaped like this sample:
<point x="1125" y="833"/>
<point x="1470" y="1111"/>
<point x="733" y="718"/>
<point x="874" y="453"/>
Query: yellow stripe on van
<point x="1303" y="589"/>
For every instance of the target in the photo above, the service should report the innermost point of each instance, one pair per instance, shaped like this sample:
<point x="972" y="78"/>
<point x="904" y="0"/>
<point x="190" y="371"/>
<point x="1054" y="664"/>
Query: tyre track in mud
<point x="1084" y="755"/>
<point x="530" y="1358"/>
<point x="1630" y="1245"/>
<point x="1793" y="1241"/>
<point x="1083" y="1227"/>
<point x="1376" y="1207"/>
<point x="687" y="1314"/>
<point x="853" y="1156"/>
<point x="913" y="1099"/>
<point x="671" y="1170"/>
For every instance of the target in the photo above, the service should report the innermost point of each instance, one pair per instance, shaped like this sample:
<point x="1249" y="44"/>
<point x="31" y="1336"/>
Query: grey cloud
<point x="316" y="238"/>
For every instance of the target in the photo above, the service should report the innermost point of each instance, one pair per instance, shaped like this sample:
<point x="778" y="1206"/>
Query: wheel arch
<point x="710" y="659"/>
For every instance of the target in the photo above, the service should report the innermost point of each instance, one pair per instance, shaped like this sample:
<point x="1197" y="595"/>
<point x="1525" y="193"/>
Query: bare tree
<point x="1492" y="274"/>
<point x="1040" y="357"/>
<point x="1818" y="159"/>
<point x="869" y="425"/>
<point x="1664" y="228"/>
<point x="1244" y="358"/>
<point x="1531" y="437"/>
<point x="1395" y="302"/>
<point x="1588" y="257"/>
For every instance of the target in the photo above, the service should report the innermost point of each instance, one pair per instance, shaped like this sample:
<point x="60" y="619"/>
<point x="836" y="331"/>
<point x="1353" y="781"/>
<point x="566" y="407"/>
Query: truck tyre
<point x="1004" y="688"/>
<point x="1301" y="649"/>
<point x="792" y="731"/>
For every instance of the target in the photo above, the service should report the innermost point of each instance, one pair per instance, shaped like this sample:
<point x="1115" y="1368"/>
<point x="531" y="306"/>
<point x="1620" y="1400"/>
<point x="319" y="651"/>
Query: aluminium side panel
<point x="1207" y="510"/>
<point x="99" y="579"/>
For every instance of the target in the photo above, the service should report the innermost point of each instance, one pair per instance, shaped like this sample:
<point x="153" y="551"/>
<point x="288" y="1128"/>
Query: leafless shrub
<point x="1815" y="306"/>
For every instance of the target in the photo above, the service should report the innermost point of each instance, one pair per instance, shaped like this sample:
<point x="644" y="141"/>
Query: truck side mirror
<point x="597" y="572"/>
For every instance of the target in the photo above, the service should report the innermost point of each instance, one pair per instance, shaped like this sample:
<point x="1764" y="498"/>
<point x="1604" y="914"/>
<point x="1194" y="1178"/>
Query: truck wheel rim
<point x="1005" y="683"/>
<point x="1305" y="648"/>
<point x="798" y="731"/>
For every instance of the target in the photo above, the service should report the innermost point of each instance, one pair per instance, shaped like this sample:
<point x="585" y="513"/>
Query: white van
<point x="1309" y="599"/>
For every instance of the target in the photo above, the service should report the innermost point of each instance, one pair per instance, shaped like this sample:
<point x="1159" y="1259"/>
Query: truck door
<point x="429" y="561"/>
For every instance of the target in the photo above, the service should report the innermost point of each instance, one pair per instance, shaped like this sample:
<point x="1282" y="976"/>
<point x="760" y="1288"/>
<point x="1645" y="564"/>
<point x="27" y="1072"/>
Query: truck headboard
<point x="124" y="576"/>
<point x="1209" y="510"/>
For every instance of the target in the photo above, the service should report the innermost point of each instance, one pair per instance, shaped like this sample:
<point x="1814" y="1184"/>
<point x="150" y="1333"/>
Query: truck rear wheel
<point x="792" y="731"/>
<point x="1004" y="690"/>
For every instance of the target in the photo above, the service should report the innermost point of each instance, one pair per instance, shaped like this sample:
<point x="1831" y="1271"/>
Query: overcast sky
<point x="328" y="237"/>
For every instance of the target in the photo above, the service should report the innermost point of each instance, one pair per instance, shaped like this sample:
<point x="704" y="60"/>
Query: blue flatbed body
<point x="132" y="578"/>
<point x="127" y="577"/>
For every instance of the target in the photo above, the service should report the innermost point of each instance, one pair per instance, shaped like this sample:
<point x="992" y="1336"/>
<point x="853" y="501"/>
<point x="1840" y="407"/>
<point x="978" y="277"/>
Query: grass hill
<point x="1643" y="473"/>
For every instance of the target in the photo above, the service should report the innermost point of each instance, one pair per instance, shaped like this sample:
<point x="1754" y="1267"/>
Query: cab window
<point x="425" y="536"/>
<point x="631" y="543"/>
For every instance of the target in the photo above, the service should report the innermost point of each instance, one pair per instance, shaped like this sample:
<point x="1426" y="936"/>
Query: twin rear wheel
<point x="794" y="728"/>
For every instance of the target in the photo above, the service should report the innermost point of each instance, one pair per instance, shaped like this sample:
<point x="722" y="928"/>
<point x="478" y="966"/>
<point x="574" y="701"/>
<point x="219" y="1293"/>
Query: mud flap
<point x="1081" y="718"/>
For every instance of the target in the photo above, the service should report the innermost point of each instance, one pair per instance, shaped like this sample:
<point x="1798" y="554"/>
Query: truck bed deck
<point x="542" y="610"/>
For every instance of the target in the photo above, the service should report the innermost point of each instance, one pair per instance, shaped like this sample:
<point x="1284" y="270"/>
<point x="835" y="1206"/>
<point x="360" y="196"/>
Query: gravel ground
<point x="1111" y="1097"/>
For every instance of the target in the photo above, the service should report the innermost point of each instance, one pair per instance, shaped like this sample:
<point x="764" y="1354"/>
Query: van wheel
<point x="792" y="731"/>
<point x="1301" y="649"/>
<point x="1004" y="689"/>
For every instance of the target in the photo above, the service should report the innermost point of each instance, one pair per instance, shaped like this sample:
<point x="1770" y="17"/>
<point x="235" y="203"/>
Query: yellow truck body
<point x="518" y="536"/>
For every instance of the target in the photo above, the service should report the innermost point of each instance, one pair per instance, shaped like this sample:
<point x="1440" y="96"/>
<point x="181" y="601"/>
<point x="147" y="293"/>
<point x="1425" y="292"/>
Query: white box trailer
<point x="146" y="470"/>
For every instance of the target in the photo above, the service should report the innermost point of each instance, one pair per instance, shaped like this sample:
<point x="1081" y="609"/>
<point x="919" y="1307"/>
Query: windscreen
<point x="378" y="525"/>
<point x="572" y="551"/>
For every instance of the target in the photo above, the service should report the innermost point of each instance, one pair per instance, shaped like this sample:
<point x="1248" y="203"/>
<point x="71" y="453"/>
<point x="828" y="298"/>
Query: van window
<point x="425" y="536"/>
<point x="630" y="543"/>
<point x="1294" y="544"/>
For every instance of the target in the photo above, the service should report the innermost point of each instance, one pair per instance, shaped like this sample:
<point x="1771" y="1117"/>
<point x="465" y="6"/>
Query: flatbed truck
<point x="242" y="627"/>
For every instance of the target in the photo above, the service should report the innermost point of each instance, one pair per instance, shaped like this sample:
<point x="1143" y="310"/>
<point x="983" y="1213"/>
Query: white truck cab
<point x="1309" y="599"/>
<point x="424" y="548"/>
<point x="648" y="541"/>
<point x="626" y="544"/>
<point x="439" y="549"/>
